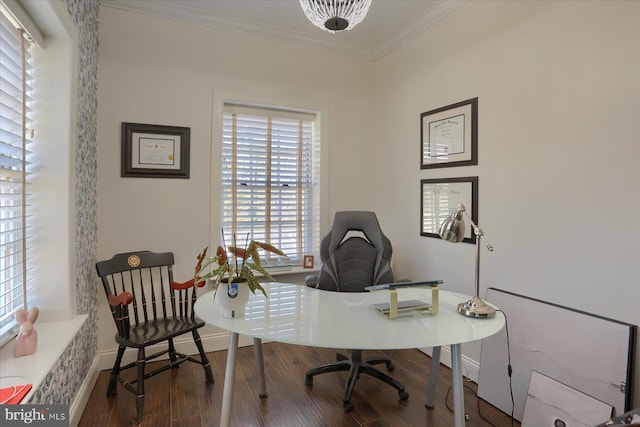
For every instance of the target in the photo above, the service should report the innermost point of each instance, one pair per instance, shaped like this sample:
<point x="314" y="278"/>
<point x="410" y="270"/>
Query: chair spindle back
<point x="147" y="276"/>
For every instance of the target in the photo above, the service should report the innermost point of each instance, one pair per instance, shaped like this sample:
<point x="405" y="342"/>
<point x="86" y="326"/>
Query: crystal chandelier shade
<point x="335" y="15"/>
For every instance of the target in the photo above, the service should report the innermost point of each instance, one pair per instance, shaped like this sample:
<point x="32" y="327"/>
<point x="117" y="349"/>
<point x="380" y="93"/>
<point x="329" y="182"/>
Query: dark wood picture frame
<point x="449" y="135"/>
<point x="155" y="151"/>
<point x="447" y="192"/>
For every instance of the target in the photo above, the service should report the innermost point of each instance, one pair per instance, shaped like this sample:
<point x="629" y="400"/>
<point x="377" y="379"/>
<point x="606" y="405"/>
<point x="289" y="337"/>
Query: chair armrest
<point x="312" y="280"/>
<point x="120" y="310"/>
<point x="178" y="286"/>
<point x="124" y="298"/>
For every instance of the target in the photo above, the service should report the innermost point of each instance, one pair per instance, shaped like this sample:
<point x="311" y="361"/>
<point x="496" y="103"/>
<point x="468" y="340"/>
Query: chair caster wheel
<point x="308" y="380"/>
<point x="263" y="395"/>
<point x="348" y="406"/>
<point x="391" y="367"/>
<point x="403" y="395"/>
<point x="431" y="407"/>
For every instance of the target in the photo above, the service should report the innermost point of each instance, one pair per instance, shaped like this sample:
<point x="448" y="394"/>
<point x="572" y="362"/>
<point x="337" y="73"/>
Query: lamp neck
<point x="478" y="234"/>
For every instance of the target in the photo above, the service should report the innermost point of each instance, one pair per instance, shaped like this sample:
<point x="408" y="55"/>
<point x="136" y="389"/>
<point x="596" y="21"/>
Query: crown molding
<point x="169" y="10"/>
<point x="416" y="27"/>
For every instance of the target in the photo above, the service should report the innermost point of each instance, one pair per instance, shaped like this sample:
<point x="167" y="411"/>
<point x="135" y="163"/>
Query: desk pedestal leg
<point x="229" y="379"/>
<point x="433" y="377"/>
<point x="257" y="346"/>
<point x="458" y="391"/>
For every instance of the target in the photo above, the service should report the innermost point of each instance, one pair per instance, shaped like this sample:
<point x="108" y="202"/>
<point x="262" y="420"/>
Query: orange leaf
<point x="222" y="255"/>
<point x="201" y="258"/>
<point x="239" y="252"/>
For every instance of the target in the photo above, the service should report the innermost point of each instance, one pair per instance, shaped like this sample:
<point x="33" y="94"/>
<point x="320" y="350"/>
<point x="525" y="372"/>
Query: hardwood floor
<point x="180" y="397"/>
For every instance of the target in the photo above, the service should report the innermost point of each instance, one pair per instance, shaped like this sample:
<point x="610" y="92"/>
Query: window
<point x="270" y="171"/>
<point x="15" y="139"/>
<point x="50" y="181"/>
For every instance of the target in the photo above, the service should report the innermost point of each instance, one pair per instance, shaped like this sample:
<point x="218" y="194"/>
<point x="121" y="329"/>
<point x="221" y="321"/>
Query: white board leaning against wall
<point x="587" y="352"/>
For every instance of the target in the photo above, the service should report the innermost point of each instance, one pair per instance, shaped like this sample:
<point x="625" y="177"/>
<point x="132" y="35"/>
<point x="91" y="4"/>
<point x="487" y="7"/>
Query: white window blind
<point x="269" y="182"/>
<point x="15" y="138"/>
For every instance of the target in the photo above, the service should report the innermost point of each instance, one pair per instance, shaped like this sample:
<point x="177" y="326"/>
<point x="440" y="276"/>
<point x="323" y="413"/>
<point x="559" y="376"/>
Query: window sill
<point x="294" y="274"/>
<point x="53" y="339"/>
<point x="294" y="269"/>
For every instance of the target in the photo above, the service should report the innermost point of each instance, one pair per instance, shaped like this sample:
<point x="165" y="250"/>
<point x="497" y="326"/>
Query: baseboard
<point x="470" y="368"/>
<point x="82" y="396"/>
<point x="185" y="344"/>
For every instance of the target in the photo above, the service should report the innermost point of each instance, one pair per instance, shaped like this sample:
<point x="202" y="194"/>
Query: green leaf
<point x="269" y="248"/>
<point x="252" y="281"/>
<point x="213" y="274"/>
<point x="261" y="270"/>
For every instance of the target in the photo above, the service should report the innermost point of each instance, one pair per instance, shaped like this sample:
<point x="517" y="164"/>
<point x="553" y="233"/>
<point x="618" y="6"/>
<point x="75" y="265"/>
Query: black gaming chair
<point x="355" y="254"/>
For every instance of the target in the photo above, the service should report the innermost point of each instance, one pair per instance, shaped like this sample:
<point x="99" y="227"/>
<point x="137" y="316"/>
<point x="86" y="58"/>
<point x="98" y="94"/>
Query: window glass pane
<point x="268" y="180"/>
<point x="15" y="125"/>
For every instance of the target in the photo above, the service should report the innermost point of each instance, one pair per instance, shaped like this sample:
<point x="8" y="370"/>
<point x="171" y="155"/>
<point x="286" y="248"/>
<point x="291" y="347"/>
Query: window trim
<point x="57" y="118"/>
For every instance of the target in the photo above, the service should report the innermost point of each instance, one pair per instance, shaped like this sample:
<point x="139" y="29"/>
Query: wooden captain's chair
<point x="149" y="308"/>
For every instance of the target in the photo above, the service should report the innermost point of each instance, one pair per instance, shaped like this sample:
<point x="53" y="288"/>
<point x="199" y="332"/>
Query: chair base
<point x="356" y="365"/>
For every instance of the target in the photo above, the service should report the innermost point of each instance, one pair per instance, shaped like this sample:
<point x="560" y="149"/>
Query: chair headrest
<point x="364" y="221"/>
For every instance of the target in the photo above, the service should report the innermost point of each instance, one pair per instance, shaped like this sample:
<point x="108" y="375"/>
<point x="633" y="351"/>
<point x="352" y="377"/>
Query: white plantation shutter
<point x="268" y="182"/>
<point x="15" y="138"/>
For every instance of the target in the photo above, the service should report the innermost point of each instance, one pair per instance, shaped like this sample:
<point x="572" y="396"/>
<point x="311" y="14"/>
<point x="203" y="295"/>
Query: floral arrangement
<point x="233" y="265"/>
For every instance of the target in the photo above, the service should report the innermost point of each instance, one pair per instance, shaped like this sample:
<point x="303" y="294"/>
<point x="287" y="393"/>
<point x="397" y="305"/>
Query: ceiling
<point x="388" y="24"/>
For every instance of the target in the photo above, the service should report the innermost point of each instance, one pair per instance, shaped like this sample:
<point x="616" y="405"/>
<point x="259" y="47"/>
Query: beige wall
<point x="559" y="98"/>
<point x="559" y="106"/>
<point x="164" y="72"/>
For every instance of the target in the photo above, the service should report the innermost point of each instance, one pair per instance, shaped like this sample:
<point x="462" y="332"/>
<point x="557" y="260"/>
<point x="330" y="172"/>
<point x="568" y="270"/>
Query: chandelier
<point x="335" y="15"/>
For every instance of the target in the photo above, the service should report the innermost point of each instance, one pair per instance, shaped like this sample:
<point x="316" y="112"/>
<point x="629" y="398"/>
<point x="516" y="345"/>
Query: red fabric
<point x="13" y="395"/>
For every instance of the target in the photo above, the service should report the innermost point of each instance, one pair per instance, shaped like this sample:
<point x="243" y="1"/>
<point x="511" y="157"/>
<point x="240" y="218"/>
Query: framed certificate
<point x="439" y="198"/>
<point x="155" y="151"/>
<point x="449" y="135"/>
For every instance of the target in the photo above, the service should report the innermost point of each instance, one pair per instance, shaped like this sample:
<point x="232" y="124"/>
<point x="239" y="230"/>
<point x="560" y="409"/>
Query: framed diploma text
<point x="449" y="135"/>
<point x="155" y="151"/>
<point x="439" y="198"/>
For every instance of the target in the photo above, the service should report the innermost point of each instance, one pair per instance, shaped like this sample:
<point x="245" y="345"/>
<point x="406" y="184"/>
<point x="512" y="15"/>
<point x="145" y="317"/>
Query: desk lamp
<point x="452" y="230"/>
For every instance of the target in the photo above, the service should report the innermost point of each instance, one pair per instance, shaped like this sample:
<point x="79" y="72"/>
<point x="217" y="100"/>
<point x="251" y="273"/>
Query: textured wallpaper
<point x="62" y="383"/>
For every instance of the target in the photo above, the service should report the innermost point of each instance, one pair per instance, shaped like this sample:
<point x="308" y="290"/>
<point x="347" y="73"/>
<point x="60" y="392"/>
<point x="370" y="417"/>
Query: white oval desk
<point x="297" y="314"/>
